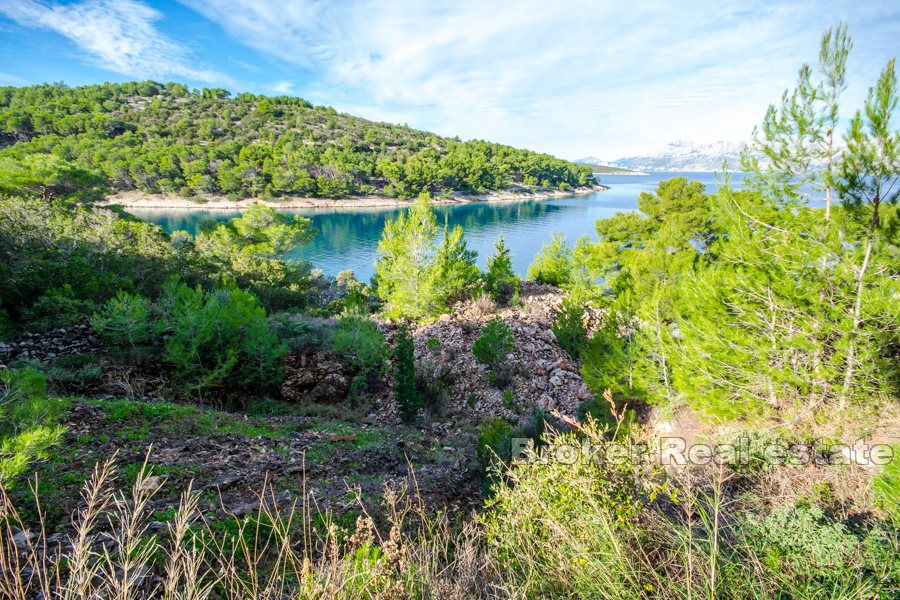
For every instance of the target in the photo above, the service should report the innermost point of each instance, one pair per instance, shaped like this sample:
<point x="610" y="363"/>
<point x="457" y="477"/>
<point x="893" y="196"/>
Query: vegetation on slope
<point x="158" y="137"/>
<point x="770" y="319"/>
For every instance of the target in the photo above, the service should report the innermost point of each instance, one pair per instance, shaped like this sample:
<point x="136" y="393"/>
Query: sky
<point x="601" y="78"/>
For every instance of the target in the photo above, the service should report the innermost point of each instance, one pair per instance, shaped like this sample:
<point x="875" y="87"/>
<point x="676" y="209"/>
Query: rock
<point x="224" y="480"/>
<point x="320" y="377"/>
<point x="22" y="539"/>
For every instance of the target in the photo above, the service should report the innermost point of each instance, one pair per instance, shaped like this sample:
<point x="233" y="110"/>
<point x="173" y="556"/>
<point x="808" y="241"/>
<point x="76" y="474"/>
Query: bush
<point x="27" y="420"/>
<point x="494" y="442"/>
<point x="416" y="278"/>
<point x="360" y="339"/>
<point x="802" y="541"/>
<point x="886" y="486"/>
<point x="219" y="338"/>
<point x="303" y="335"/>
<point x="56" y="308"/>
<point x="554" y="264"/>
<point x="500" y="281"/>
<point x="494" y="343"/>
<point x="568" y="327"/>
<point x="406" y="394"/>
<point x="601" y="411"/>
<point x="124" y="321"/>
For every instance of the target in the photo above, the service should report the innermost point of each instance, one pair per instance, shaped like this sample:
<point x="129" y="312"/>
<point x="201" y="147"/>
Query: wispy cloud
<point x="283" y="87"/>
<point x="574" y="77"/>
<point x="118" y="35"/>
<point x="11" y="79"/>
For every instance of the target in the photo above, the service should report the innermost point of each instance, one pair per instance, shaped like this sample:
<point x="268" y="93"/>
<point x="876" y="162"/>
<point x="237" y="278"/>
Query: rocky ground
<point x="312" y="439"/>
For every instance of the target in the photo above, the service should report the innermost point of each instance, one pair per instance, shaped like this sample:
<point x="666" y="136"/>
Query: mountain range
<point x="679" y="156"/>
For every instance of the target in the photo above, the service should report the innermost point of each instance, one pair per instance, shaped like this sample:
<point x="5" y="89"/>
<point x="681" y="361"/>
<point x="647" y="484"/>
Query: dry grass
<point x="484" y="306"/>
<point x="275" y="553"/>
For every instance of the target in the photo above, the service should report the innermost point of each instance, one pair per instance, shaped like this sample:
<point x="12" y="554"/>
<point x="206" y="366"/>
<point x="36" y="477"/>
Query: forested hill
<point x="167" y="138"/>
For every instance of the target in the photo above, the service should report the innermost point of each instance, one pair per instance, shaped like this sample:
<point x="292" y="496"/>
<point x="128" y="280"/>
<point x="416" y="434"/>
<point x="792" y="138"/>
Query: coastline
<point x="165" y="201"/>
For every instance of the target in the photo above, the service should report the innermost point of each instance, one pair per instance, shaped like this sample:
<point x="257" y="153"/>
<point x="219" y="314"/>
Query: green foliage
<point x="748" y="304"/>
<point x="156" y="138"/>
<point x="360" y="339"/>
<point x="124" y="321"/>
<point x="303" y="335"/>
<point x="799" y="136"/>
<point x="49" y="177"/>
<point x="802" y="542"/>
<point x="554" y="264"/>
<point x="58" y="307"/>
<point x="568" y="327"/>
<point x="494" y="343"/>
<point x="57" y="262"/>
<point x="219" y="338"/>
<point x="27" y="421"/>
<point x="500" y="281"/>
<point x="250" y="250"/>
<point x="886" y="486"/>
<point x="406" y="394"/>
<point x="494" y="442"/>
<point x="558" y="527"/>
<point x="414" y="278"/>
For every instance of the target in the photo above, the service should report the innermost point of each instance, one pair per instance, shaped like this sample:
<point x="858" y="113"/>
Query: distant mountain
<point x="685" y="156"/>
<point x="591" y="160"/>
<point x="601" y="167"/>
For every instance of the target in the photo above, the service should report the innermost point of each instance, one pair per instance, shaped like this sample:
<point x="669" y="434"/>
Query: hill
<point x="155" y="137"/>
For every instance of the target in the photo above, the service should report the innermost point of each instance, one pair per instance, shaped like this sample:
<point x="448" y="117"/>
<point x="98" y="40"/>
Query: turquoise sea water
<point x="348" y="238"/>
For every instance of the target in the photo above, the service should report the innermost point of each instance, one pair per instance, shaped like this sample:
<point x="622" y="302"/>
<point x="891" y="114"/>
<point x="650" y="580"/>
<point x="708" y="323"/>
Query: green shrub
<point x="509" y="399"/>
<point x="56" y="308"/>
<point x="494" y="343"/>
<point x="303" y="335"/>
<point x="554" y="264"/>
<point x="500" y="281"/>
<point x="494" y="442"/>
<point x="267" y="407"/>
<point x="568" y="327"/>
<point x="605" y="361"/>
<point x="559" y="528"/>
<point x="886" y="486"/>
<point x="406" y="394"/>
<point x="27" y="420"/>
<point x="414" y="276"/>
<point x="802" y="542"/>
<point x="124" y="321"/>
<point x="219" y="338"/>
<point x="360" y="339"/>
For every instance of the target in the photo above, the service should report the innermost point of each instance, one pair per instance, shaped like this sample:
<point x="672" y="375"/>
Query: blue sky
<point x="572" y="78"/>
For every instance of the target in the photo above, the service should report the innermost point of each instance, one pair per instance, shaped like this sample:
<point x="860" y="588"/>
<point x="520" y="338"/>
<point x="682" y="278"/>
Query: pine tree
<point x="869" y="176"/>
<point x="406" y="395"/>
<point x="500" y="282"/>
<point x="797" y="139"/>
<point x="416" y="278"/>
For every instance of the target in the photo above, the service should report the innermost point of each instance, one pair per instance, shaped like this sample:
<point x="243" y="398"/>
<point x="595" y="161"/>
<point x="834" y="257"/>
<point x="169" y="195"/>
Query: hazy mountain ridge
<point x="686" y="156"/>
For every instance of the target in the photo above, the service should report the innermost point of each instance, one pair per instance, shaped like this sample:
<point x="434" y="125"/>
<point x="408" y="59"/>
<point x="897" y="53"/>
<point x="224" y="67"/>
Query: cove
<point x="348" y="238"/>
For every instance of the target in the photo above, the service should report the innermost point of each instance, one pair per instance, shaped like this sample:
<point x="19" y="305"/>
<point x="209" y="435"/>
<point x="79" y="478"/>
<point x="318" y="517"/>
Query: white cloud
<point x="573" y="78"/>
<point x="119" y="35"/>
<point x="283" y="87"/>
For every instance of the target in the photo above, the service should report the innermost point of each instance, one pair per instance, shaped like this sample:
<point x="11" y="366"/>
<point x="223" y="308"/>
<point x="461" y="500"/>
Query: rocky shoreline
<point x="164" y="201"/>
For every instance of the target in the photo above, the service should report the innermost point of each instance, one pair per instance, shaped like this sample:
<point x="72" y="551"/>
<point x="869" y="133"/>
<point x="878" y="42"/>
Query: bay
<point x="348" y="238"/>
